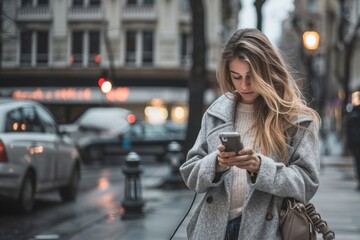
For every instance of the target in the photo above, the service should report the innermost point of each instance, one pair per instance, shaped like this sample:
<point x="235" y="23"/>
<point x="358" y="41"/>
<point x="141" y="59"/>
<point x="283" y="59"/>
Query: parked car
<point x="140" y="137"/>
<point x="34" y="155"/>
<point x="95" y="121"/>
<point x="103" y="132"/>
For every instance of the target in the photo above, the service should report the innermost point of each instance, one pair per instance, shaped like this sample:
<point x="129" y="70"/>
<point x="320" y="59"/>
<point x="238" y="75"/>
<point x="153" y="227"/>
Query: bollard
<point x="133" y="202"/>
<point x="175" y="158"/>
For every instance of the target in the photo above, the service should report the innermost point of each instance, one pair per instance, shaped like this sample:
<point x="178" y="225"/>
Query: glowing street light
<point x="311" y="40"/>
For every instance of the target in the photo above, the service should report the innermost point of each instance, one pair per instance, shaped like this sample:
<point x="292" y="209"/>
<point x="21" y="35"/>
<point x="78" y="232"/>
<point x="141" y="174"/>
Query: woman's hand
<point x="246" y="159"/>
<point x="223" y="158"/>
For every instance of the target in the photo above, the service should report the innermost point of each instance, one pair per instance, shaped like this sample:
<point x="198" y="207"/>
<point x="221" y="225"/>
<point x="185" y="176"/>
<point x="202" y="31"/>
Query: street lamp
<point x="311" y="40"/>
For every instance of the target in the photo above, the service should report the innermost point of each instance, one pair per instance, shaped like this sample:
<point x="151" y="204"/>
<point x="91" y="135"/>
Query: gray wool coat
<point x="263" y="199"/>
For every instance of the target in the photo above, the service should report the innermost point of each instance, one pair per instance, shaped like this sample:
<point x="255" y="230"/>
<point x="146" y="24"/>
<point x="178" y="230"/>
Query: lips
<point x="247" y="92"/>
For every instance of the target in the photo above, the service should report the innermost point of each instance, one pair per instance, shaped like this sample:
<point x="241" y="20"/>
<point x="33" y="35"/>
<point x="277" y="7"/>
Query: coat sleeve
<point x="300" y="179"/>
<point x="199" y="170"/>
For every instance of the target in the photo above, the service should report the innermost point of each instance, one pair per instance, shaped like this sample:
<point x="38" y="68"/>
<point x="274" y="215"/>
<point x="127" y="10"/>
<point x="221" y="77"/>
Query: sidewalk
<point x="337" y="201"/>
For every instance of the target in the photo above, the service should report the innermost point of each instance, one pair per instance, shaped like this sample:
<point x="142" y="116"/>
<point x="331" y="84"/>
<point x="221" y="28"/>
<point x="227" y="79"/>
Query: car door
<point x="61" y="150"/>
<point x="43" y="148"/>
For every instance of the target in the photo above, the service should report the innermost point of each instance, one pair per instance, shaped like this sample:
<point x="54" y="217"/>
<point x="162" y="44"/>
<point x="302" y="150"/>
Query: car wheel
<point x="68" y="193"/>
<point x="26" y="200"/>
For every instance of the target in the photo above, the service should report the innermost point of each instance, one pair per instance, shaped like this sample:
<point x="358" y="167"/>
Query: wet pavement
<point x="337" y="201"/>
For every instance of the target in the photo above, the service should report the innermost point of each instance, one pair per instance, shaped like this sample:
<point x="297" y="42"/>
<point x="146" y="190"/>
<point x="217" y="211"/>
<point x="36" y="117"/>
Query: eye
<point x="248" y="77"/>
<point x="237" y="77"/>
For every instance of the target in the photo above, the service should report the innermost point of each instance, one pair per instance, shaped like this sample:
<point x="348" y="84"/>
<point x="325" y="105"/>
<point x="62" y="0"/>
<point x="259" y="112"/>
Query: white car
<point x="34" y="155"/>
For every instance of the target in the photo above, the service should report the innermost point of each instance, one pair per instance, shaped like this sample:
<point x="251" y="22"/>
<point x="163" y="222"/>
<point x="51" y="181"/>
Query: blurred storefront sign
<point x="75" y="95"/>
<point x="152" y="104"/>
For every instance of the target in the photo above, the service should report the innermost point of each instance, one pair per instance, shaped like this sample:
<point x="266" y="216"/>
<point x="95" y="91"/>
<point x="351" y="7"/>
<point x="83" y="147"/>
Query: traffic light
<point x="104" y="82"/>
<point x="311" y="40"/>
<point x="106" y="86"/>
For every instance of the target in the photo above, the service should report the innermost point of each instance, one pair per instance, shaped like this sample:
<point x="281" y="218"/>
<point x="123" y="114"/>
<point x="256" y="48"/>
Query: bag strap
<point x="320" y="225"/>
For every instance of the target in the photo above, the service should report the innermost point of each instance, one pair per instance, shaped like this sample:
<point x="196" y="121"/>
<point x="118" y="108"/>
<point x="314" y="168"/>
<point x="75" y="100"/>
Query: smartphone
<point x="231" y="141"/>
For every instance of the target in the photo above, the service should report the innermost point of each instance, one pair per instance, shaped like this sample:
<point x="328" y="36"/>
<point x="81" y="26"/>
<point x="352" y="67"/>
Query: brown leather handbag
<point x="301" y="222"/>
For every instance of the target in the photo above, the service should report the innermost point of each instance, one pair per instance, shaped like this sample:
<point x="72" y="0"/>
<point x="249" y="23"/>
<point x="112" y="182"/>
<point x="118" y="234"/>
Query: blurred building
<point x="336" y="22"/>
<point x="56" y="51"/>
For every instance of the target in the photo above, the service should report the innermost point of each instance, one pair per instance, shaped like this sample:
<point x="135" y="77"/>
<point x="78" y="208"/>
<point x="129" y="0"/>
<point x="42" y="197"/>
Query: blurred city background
<point x="109" y="77"/>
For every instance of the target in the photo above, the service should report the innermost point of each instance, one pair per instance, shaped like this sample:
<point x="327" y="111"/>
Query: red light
<point x="131" y="118"/>
<point x="97" y="58"/>
<point x="101" y="81"/>
<point x="3" y="157"/>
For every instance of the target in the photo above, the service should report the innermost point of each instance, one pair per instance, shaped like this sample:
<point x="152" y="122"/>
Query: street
<point x="96" y="213"/>
<point x="99" y="201"/>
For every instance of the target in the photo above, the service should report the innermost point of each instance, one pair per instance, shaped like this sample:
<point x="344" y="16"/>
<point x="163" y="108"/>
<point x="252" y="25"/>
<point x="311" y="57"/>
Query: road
<point x="96" y="213"/>
<point x="99" y="200"/>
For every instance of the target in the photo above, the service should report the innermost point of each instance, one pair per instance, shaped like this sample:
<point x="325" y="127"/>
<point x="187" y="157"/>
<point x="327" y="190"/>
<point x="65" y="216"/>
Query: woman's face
<point x="241" y="79"/>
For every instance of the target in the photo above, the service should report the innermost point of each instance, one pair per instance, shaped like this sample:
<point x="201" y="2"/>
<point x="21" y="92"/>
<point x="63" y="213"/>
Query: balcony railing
<point x="85" y="14"/>
<point x="29" y="13"/>
<point x="134" y="13"/>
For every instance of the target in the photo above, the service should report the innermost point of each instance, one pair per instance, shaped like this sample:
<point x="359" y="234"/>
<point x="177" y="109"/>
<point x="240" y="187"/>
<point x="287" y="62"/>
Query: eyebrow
<point x="238" y="73"/>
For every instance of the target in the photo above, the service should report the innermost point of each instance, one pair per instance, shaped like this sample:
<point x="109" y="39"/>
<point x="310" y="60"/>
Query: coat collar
<point x="224" y="107"/>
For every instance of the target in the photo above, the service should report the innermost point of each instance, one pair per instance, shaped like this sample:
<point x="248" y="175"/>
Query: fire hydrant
<point x="175" y="158"/>
<point x="133" y="202"/>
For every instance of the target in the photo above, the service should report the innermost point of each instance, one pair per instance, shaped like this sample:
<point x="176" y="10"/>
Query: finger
<point x="227" y="154"/>
<point x="221" y="148"/>
<point x="222" y="162"/>
<point x="246" y="151"/>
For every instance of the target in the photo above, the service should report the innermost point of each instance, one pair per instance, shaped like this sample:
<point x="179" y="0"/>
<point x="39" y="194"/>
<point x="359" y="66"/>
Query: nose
<point x="245" y="84"/>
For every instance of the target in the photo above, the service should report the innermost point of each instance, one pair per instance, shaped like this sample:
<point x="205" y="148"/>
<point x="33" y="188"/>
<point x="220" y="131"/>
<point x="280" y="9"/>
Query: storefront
<point x="152" y="104"/>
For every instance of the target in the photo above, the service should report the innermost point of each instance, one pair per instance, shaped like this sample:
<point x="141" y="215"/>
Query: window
<point x="26" y="2"/>
<point x="148" y="2"/>
<point x="185" y="51"/>
<point x="85" y="48"/>
<point x="312" y="6"/>
<point x="131" y="2"/>
<point x="14" y="121"/>
<point x="31" y="121"/>
<point x="77" y="48"/>
<point x="36" y="54"/>
<point x="34" y="3"/>
<point x="25" y="47"/>
<point x="78" y="2"/>
<point x="42" y="48"/>
<point x="130" y="47"/>
<point x="43" y="2"/>
<point x="94" y="3"/>
<point x="94" y="48"/>
<point x="139" y="54"/>
<point x="46" y="120"/>
<point x="140" y="2"/>
<point x="147" y="57"/>
<point x="86" y="3"/>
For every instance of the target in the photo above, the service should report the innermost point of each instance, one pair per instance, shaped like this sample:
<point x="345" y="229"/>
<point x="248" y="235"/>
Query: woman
<point x="244" y="190"/>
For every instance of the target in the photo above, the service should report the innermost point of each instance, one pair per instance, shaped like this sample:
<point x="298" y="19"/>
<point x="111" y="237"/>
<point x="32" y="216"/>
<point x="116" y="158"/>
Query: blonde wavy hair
<point x="280" y="102"/>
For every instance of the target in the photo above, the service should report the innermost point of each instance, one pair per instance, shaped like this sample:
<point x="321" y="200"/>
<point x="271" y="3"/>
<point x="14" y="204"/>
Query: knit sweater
<point x="243" y="122"/>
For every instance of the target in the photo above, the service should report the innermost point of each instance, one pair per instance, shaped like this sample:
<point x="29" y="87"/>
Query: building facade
<point x="330" y="65"/>
<point x="56" y="51"/>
